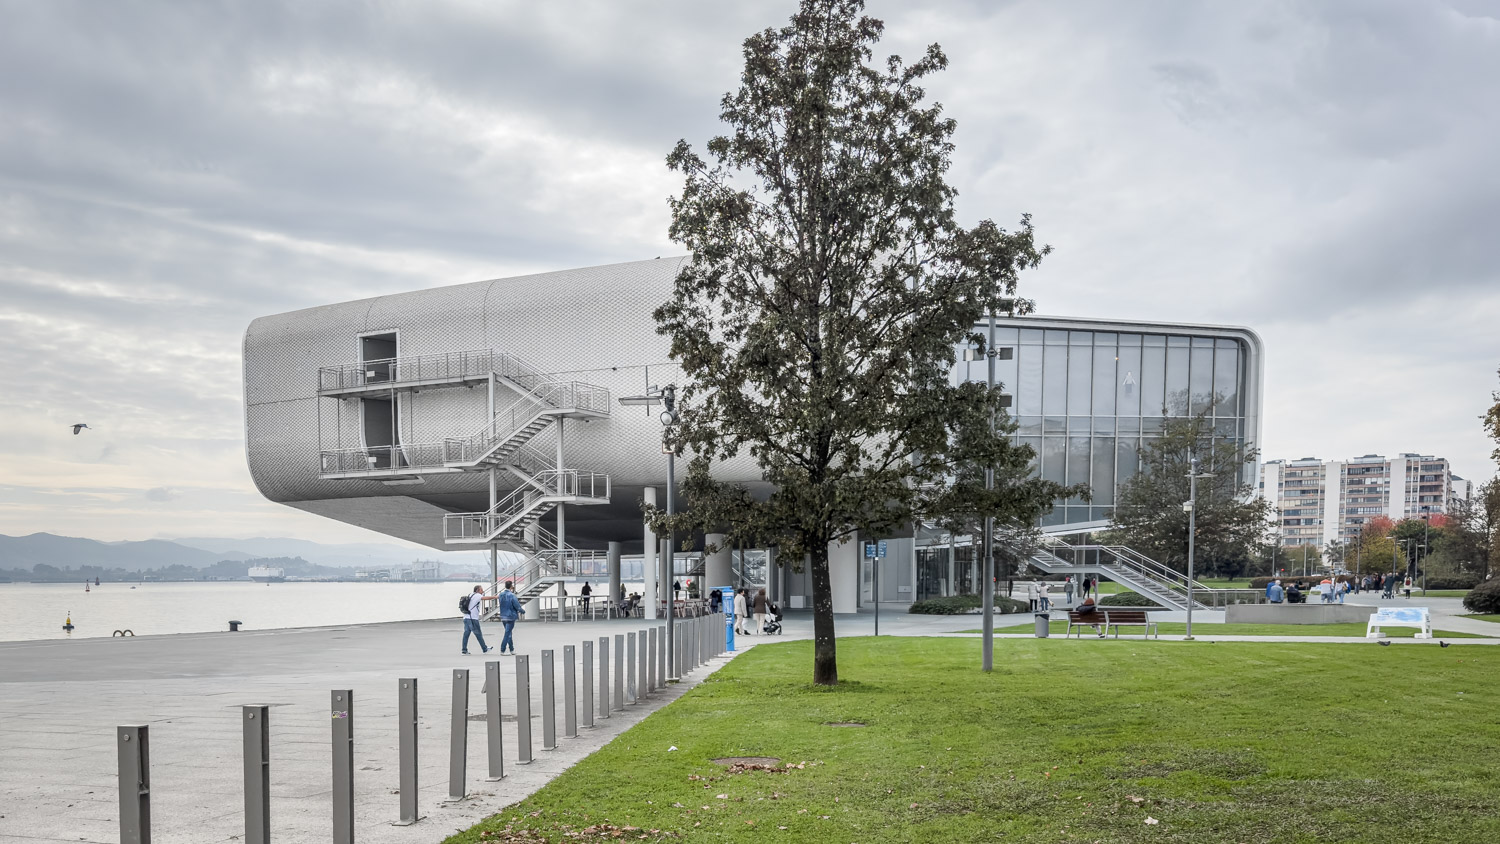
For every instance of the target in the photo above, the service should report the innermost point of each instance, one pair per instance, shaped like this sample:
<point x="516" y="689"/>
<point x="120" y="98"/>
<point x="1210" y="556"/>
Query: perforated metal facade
<point x="595" y="325"/>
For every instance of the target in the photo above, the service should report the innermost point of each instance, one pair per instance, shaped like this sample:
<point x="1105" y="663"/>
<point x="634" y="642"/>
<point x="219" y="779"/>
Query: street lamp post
<point x="1426" y="549"/>
<point x="667" y="397"/>
<point x="1192" y="508"/>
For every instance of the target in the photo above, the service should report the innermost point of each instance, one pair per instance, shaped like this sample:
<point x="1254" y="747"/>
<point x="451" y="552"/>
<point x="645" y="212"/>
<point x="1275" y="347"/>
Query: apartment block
<point x="1322" y="501"/>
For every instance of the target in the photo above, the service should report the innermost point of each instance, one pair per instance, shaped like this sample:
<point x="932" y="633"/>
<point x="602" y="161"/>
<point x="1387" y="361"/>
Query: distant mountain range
<point x="24" y="552"/>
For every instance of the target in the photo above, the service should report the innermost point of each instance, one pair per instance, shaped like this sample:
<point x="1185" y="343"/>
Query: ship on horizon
<point x="267" y="574"/>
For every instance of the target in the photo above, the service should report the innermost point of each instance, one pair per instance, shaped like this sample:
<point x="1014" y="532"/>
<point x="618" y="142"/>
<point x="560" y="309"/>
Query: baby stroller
<point x="773" y="619"/>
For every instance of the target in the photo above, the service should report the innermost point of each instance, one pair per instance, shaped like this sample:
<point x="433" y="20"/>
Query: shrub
<point x="1484" y="598"/>
<point x="960" y="604"/>
<point x="1452" y="581"/>
<point x="1127" y="599"/>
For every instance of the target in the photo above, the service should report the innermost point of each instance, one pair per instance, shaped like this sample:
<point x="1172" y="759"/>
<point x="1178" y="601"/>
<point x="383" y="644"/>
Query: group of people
<point x="747" y="606"/>
<point x="509" y="606"/>
<point x="1335" y="591"/>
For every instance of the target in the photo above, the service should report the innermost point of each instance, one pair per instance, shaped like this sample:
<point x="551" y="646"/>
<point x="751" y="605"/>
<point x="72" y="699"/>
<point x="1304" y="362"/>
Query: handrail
<point x="391" y="372"/>
<point x="380" y="458"/>
<point x="480" y="443"/>
<point x="510" y="510"/>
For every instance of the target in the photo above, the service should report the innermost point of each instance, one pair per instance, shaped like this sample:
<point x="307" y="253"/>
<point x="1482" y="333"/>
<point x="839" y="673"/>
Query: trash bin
<point x="1043" y="622"/>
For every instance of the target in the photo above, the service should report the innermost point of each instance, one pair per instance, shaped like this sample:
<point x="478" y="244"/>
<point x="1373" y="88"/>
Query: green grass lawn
<point x="1178" y="628"/>
<point x="1063" y="742"/>
<point x="1440" y="593"/>
<point x="1494" y="618"/>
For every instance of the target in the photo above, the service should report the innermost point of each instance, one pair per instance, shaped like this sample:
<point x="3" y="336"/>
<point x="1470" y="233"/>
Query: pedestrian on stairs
<point x="510" y="612"/>
<point x="472" y="616"/>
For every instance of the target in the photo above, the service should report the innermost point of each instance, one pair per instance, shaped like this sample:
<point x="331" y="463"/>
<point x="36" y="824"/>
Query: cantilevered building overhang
<point x="393" y="412"/>
<point x="462" y="416"/>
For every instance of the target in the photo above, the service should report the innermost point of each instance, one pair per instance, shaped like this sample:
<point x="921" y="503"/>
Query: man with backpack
<point x="472" y="607"/>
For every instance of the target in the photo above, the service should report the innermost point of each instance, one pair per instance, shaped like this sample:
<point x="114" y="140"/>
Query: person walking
<point x="1068" y="589"/>
<point x="510" y="612"/>
<point x="759" y="608"/>
<point x="472" y="614"/>
<point x="739" y="611"/>
<point x="1274" y="593"/>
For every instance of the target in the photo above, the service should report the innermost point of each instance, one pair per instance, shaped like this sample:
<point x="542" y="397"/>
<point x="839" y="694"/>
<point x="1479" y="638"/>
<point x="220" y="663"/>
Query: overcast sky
<point x="1323" y="173"/>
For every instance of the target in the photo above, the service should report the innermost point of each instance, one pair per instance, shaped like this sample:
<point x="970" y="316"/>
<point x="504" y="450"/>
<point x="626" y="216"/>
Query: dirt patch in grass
<point x="763" y="761"/>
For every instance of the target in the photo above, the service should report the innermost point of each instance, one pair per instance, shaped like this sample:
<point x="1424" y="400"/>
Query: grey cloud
<point x="160" y="493"/>
<point x="170" y="171"/>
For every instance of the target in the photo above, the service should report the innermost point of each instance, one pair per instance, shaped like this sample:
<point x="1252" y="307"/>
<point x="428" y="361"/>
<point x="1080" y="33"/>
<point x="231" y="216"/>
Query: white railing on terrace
<point x="385" y="458"/>
<point x="392" y="372"/>
<point x="461" y="366"/>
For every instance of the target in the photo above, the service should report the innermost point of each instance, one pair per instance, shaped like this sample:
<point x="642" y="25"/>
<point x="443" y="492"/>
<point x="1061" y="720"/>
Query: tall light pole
<point x="1426" y="549"/>
<point x="665" y="396"/>
<point x="987" y="601"/>
<point x="987" y="593"/>
<point x="1192" y="509"/>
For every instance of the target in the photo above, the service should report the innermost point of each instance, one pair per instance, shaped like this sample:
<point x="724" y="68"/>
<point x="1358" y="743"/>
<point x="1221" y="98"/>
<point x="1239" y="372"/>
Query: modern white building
<point x="1318" y="501"/>
<point x="488" y="415"/>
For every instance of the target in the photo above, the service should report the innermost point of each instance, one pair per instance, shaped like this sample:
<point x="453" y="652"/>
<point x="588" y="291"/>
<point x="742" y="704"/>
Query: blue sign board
<point x="728" y="593"/>
<point x="882" y="548"/>
<point x="875" y="549"/>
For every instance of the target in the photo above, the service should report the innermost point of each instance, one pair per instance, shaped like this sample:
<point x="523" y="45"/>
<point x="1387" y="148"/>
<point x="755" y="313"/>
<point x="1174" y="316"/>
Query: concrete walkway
<point x="60" y="702"/>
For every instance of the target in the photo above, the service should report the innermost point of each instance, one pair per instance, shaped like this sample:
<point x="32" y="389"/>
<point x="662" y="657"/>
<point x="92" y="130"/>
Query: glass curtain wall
<point x="1086" y="400"/>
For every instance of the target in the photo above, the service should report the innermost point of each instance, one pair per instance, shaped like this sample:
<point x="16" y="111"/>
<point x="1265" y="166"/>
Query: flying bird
<point x="78" y="427"/>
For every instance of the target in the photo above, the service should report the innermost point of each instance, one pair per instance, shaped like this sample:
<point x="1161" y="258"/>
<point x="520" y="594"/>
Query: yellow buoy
<point x="68" y="624"/>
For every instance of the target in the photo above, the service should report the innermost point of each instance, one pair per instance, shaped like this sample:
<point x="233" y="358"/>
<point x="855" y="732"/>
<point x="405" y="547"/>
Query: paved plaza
<point x="60" y="702"/>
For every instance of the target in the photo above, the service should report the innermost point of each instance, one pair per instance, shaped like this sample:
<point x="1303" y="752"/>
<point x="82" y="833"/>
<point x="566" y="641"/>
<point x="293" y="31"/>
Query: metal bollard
<point x="523" y="710"/>
<point x="135" y="785"/>
<point x="603" y="676"/>
<point x="618" y="701"/>
<point x="650" y="672"/>
<point x="549" y="703"/>
<point x="630" y="696"/>
<point x="496" y="739"/>
<point x="257" y="732"/>
<point x="642" y="688"/>
<point x="661" y="657"/>
<point x="343" y="765"/>
<point x="588" y="684"/>
<point x="406" y="732"/>
<point x="570" y="691"/>
<point x="458" y="736"/>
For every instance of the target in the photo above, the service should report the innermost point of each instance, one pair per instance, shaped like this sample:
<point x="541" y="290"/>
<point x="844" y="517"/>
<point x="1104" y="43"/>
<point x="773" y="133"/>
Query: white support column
<point x="649" y="556"/>
<point x="843" y="575"/>
<point x="717" y="570"/>
<point x="612" y="559"/>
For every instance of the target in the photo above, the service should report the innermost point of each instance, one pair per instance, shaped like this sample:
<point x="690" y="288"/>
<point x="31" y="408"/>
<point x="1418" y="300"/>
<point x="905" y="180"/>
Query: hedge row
<point x="1435" y="581"/>
<point x="961" y="604"/>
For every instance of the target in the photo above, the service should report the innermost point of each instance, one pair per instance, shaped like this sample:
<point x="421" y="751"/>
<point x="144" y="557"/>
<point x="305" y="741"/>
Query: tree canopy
<point x="1149" y="514"/>
<point x="828" y="285"/>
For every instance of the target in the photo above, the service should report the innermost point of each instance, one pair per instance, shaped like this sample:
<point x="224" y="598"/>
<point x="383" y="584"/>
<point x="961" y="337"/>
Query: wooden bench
<point x="1107" y="617"/>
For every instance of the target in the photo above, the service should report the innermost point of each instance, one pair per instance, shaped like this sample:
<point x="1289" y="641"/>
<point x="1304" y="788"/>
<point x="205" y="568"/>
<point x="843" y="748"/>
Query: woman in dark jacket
<point x="759" y="608"/>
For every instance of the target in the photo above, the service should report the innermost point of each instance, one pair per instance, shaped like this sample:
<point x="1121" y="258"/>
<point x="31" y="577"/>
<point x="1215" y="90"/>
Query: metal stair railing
<point x="1136" y="570"/>
<point x="526" y="504"/>
<point x="518" y="424"/>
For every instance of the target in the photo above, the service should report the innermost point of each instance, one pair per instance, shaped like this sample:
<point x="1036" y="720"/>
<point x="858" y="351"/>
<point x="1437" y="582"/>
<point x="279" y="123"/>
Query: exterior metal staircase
<point x="1141" y="574"/>
<point x="501" y="445"/>
<point x="545" y="565"/>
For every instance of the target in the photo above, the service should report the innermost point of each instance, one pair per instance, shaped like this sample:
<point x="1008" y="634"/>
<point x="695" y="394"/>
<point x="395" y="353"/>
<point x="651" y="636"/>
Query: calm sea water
<point x="37" y="610"/>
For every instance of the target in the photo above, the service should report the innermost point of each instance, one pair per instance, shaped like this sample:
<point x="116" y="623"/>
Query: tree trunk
<point x="825" y="648"/>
